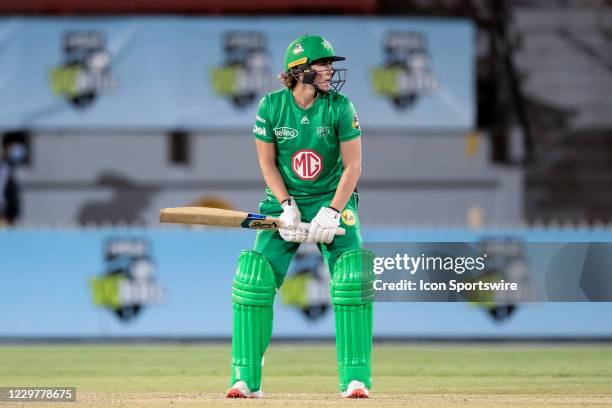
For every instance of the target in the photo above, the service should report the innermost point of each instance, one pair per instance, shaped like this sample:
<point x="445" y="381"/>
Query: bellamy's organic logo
<point x="129" y="282"/>
<point x="86" y="70"/>
<point x="246" y="72"/>
<point x="405" y="73"/>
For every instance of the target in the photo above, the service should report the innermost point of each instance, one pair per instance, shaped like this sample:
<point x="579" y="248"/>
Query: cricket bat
<point x="221" y="218"/>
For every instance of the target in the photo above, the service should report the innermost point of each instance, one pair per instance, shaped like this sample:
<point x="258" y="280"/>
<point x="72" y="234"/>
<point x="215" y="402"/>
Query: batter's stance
<point x="309" y="148"/>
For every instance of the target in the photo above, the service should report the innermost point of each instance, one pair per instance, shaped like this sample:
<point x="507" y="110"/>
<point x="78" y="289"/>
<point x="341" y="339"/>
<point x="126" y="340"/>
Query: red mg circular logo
<point x="306" y="164"/>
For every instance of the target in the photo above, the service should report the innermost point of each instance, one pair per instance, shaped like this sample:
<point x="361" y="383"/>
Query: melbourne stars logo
<point x="129" y="282"/>
<point x="323" y="131"/>
<point x="326" y="44"/>
<point x="405" y="74"/>
<point x="86" y="69"/>
<point x="245" y="72"/>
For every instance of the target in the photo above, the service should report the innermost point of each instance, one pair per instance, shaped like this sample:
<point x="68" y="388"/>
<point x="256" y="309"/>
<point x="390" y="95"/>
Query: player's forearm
<point x="275" y="181"/>
<point x="346" y="186"/>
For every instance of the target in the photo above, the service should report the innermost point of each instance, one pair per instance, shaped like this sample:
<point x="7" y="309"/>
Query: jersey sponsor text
<point x="285" y="133"/>
<point x="259" y="130"/>
<point x="307" y="164"/>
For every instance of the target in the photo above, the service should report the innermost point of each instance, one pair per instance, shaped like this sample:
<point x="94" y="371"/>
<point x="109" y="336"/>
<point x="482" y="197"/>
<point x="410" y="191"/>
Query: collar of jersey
<point x="298" y="106"/>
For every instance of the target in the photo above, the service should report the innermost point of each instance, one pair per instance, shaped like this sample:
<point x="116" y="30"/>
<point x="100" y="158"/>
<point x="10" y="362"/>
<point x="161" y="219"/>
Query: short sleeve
<point x="262" y="129"/>
<point x="348" y="126"/>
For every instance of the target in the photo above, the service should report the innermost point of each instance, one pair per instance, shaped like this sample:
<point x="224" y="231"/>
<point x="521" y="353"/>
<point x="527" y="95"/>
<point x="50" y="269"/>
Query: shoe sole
<point x="361" y="394"/>
<point x="234" y="393"/>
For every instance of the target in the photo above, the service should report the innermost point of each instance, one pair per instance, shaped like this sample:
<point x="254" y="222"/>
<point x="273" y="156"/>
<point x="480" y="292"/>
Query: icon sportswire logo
<point x="306" y="164"/>
<point x="285" y="133"/>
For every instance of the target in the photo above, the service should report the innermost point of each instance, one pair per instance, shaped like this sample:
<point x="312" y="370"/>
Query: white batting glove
<point x="323" y="226"/>
<point x="301" y="232"/>
<point x="290" y="218"/>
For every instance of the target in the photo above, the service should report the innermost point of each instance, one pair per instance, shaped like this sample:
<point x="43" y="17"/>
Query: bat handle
<point x="339" y="230"/>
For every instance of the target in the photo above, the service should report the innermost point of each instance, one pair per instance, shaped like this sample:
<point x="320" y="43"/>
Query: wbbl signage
<point x="405" y="73"/>
<point x="209" y="73"/>
<point x="246" y="73"/>
<point x="86" y="70"/>
<point x="129" y="282"/>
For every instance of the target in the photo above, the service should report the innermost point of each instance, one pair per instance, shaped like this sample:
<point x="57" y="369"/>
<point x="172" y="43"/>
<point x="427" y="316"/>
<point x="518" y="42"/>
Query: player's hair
<point x="289" y="77"/>
<point x="288" y="80"/>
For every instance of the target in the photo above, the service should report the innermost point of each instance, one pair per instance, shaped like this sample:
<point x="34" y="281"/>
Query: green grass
<point x="445" y="371"/>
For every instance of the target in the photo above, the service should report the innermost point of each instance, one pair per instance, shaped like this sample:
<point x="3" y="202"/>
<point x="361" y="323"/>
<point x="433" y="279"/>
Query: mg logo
<point x="306" y="164"/>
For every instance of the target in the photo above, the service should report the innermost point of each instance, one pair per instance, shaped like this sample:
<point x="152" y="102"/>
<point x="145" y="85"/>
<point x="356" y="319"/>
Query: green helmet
<point x="309" y="49"/>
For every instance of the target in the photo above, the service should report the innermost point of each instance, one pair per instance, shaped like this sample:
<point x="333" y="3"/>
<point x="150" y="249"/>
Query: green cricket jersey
<point x="307" y="140"/>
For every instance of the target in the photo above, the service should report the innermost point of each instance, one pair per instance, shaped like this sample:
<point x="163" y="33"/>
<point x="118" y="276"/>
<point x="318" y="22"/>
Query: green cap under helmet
<point x="309" y="49"/>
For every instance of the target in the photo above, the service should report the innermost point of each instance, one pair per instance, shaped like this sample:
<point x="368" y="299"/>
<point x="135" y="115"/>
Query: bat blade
<point x="221" y="218"/>
<point x="204" y="216"/>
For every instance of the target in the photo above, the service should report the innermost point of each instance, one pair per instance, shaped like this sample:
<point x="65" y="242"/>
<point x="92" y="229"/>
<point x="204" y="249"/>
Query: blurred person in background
<point x="308" y="143"/>
<point x="13" y="154"/>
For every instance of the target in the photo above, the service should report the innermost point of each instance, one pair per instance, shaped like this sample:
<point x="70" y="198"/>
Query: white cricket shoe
<point x="240" y="389"/>
<point x="356" y="389"/>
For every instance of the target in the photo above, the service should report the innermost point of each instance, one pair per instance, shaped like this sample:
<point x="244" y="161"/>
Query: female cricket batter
<point x="309" y="148"/>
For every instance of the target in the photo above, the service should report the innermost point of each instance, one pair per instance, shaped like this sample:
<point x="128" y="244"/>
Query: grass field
<point x="305" y="375"/>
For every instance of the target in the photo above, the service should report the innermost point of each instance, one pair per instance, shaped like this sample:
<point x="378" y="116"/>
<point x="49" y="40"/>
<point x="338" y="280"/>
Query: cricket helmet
<point x="310" y="49"/>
